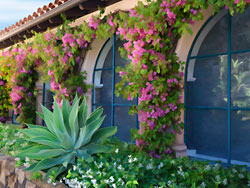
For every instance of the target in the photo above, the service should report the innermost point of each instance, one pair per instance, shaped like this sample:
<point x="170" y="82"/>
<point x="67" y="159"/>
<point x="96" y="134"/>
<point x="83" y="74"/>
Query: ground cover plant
<point x="127" y="168"/>
<point x="154" y="73"/>
<point x="11" y="139"/>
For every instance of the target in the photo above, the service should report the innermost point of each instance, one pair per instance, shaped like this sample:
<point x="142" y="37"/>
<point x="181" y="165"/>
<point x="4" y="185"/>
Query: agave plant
<point x="70" y="134"/>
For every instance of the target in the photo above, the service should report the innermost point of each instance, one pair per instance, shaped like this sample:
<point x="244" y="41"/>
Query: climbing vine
<point x="154" y="74"/>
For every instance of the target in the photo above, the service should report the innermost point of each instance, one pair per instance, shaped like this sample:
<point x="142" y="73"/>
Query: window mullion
<point x="229" y="90"/>
<point x="113" y="82"/>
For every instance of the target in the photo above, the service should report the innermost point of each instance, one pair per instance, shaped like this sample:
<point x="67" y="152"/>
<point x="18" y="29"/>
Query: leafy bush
<point x="70" y="134"/>
<point x="124" y="168"/>
<point x="11" y="139"/>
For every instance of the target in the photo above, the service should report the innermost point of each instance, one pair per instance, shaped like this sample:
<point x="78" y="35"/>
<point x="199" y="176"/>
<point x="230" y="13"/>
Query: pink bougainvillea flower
<point x="1" y="82"/>
<point x="94" y="23"/>
<point x="121" y="73"/>
<point x="50" y="73"/>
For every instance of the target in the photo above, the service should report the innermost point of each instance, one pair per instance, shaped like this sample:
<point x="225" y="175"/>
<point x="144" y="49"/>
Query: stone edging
<point x="11" y="177"/>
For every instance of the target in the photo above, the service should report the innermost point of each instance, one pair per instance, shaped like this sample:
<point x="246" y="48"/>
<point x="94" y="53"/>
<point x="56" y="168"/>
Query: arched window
<point x="115" y="108"/>
<point x="217" y="90"/>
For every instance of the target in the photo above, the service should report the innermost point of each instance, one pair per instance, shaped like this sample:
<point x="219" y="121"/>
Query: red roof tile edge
<point x="39" y="12"/>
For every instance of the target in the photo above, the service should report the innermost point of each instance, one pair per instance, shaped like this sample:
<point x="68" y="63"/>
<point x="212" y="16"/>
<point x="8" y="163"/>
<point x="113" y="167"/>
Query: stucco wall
<point x="183" y="47"/>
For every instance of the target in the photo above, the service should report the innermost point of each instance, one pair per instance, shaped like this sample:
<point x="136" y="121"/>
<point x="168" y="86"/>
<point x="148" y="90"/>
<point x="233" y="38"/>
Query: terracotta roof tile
<point x="40" y="11"/>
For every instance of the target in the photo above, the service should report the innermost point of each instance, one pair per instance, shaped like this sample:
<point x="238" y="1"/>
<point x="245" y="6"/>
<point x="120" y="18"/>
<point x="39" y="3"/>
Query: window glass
<point x="240" y="80"/>
<point x="213" y="40"/>
<point x="207" y="132"/>
<point x="103" y="80"/>
<point x="240" y="139"/>
<point x="209" y="86"/>
<point x="240" y="31"/>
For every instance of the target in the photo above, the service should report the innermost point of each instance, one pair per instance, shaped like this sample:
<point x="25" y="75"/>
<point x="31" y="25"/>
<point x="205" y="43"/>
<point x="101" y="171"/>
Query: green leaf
<point x="101" y="135"/>
<point x="40" y="132"/>
<point x="84" y="154"/>
<point x="91" y="129"/>
<point x="83" y="113"/>
<point x="72" y="121"/>
<point x="65" y="113"/>
<point x="45" y="141"/>
<point x="48" y="163"/>
<point x="40" y="114"/>
<point x="95" y="115"/>
<point x="93" y="148"/>
<point x="48" y="118"/>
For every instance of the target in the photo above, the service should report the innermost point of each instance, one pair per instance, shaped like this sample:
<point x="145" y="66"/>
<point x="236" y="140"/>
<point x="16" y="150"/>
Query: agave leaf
<point x="80" y="138"/>
<point x="48" y="163"/>
<point x="90" y="130"/>
<point x="101" y="135"/>
<point x="83" y="113"/>
<point x="33" y="149"/>
<point x="93" y="148"/>
<point x="83" y="154"/>
<point x="75" y="100"/>
<point x="58" y="118"/>
<point x="95" y="115"/>
<point x="41" y="115"/>
<point x="45" y="141"/>
<point x="35" y="126"/>
<point x="72" y="121"/>
<point x="44" y="153"/>
<point x="67" y="143"/>
<point x="65" y="113"/>
<point x="59" y="170"/>
<point x="48" y="118"/>
<point x="31" y="166"/>
<point x="37" y="132"/>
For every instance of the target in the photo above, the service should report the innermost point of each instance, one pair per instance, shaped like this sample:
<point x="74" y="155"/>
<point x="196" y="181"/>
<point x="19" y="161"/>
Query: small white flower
<point x="203" y="184"/>
<point x="93" y="181"/>
<point x="74" y="167"/>
<point x="208" y="167"/>
<point x="117" y="150"/>
<point x="224" y="181"/>
<point x="149" y="166"/>
<point x="130" y="160"/>
<point x="234" y="170"/>
<point x="169" y="182"/>
<point x="120" y="167"/>
<point x="135" y="159"/>
<point x="129" y="156"/>
<point x="88" y="171"/>
<point x="27" y="159"/>
<point x="100" y="165"/>
<point x="217" y="178"/>
<point x="241" y="176"/>
<point x="26" y="165"/>
<point x="248" y="184"/>
<point x="113" y="185"/>
<point x="49" y="180"/>
<point x="140" y="165"/>
<point x="111" y="179"/>
<point x="17" y="159"/>
<point x="172" y="162"/>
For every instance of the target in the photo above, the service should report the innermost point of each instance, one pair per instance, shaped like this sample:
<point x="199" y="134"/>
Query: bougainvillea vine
<point x="154" y="74"/>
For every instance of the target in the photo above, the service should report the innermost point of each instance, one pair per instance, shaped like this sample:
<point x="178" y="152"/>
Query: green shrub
<point x="70" y="134"/>
<point x="11" y="139"/>
<point x="125" y="168"/>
